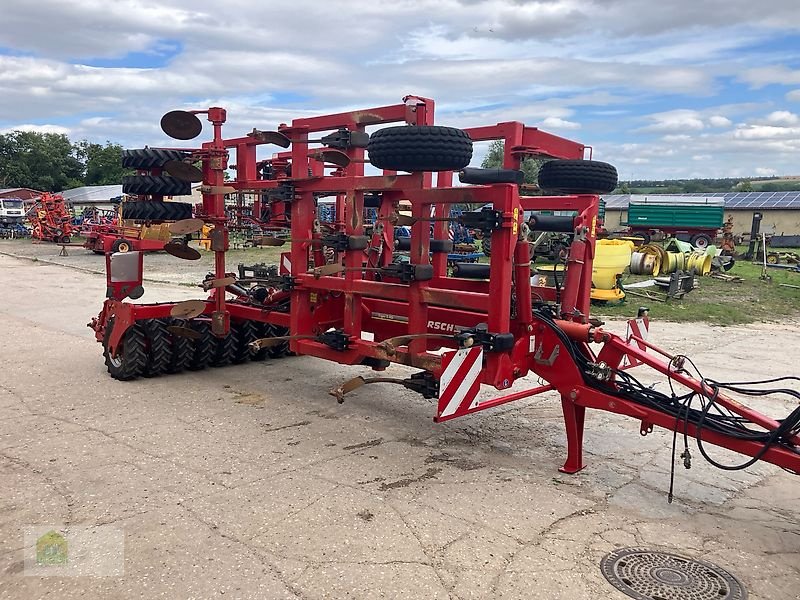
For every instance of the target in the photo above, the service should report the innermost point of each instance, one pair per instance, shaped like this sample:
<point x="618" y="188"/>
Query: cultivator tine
<point x="335" y="157"/>
<point x="390" y="345"/>
<point x="186" y="226"/>
<point x="270" y="137"/>
<point x="210" y="284"/>
<point x="181" y="250"/>
<point x="188" y="309"/>
<point x="270" y="342"/>
<point x="183" y="171"/>
<point x="186" y="332"/>
<point x="346" y="388"/>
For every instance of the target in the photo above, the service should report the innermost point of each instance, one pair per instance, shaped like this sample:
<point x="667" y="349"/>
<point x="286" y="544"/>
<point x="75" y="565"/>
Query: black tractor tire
<point x="153" y="185"/>
<point x="415" y="148"/>
<point x="701" y="241"/>
<point x="203" y="347"/>
<point x="261" y="330"/>
<point x="121" y="245"/>
<point x="131" y="358"/>
<point x="65" y="239"/>
<point x="159" y="348"/>
<point x="154" y="210"/>
<point x="225" y="349"/>
<point x="150" y="158"/>
<point x="578" y="177"/>
<point x="486" y="244"/>
<point x="645" y="235"/>
<point x="281" y="349"/>
<point x="182" y="350"/>
<point x="245" y="332"/>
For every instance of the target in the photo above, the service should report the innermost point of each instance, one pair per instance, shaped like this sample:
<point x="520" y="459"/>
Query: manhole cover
<point x="648" y="575"/>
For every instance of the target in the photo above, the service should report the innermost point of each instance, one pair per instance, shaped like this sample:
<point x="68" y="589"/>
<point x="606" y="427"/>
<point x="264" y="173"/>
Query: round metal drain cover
<point x="650" y="575"/>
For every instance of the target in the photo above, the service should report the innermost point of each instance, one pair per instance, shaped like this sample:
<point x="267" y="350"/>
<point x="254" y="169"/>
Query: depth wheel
<point x="578" y="177"/>
<point x="416" y="148"/>
<point x="131" y="358"/>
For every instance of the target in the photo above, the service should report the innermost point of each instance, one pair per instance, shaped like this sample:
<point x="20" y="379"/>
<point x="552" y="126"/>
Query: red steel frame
<point x="354" y="302"/>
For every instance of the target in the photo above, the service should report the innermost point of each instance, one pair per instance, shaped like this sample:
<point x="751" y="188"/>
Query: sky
<point x="662" y="89"/>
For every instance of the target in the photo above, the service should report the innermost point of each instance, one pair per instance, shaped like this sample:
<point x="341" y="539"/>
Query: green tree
<point x="42" y="161"/>
<point x="744" y="186"/>
<point x="102" y="163"/>
<point x="494" y="160"/>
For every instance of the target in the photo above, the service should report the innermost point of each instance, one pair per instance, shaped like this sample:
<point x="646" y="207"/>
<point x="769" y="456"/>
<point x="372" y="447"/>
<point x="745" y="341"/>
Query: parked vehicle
<point x="693" y="220"/>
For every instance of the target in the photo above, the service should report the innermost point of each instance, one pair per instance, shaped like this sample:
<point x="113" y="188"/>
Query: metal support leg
<point x="573" y="420"/>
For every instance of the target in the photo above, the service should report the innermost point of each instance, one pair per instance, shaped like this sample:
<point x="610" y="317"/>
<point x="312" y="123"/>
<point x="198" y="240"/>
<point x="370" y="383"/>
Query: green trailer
<point x="695" y="220"/>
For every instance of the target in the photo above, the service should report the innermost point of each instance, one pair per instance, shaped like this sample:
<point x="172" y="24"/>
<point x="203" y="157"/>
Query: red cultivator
<point x="50" y="219"/>
<point x="486" y="326"/>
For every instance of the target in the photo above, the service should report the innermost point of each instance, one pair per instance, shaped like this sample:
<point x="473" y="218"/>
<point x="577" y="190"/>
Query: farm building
<point x="780" y="210"/>
<point x="98" y="196"/>
<point x="20" y="193"/>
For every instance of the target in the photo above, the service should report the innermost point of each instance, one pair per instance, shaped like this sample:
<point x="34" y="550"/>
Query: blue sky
<point x="669" y="89"/>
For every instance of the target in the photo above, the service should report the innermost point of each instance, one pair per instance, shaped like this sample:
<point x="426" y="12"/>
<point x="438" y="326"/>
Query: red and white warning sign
<point x="637" y="328"/>
<point x="460" y="381"/>
<point x="286" y="263"/>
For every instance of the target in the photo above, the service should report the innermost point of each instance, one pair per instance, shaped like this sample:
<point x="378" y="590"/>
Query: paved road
<point x="251" y="482"/>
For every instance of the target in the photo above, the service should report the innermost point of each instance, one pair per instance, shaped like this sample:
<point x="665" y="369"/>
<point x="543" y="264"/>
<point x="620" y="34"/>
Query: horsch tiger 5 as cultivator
<point x="338" y="295"/>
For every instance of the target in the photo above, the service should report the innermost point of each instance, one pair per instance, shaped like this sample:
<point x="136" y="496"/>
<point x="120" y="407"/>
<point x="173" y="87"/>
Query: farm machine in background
<point x="482" y="325"/>
<point x="12" y="218"/>
<point x="142" y="222"/>
<point x="50" y="219"/>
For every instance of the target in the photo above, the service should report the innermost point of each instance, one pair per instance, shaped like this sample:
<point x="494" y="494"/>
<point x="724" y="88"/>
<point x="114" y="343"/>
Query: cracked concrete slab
<point x="251" y="482"/>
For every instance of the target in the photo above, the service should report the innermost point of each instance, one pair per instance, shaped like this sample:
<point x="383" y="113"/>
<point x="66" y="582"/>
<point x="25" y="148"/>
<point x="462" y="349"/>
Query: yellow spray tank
<point x="611" y="258"/>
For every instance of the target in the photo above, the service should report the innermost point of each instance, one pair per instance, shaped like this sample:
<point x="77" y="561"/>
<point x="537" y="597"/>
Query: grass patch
<point x="722" y="302"/>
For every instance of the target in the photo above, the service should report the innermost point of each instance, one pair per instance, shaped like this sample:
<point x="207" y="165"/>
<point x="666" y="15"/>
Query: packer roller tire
<point x="155" y="185"/>
<point x="225" y="349"/>
<point x="131" y="358"/>
<point x="159" y="347"/>
<point x="203" y="347"/>
<point x="156" y="210"/>
<point x="244" y="332"/>
<point x="150" y="158"/>
<point x="182" y="350"/>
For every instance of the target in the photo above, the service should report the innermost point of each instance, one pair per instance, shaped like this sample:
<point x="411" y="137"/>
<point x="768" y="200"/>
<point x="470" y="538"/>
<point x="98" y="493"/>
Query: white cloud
<point x="700" y="157"/>
<point x="766" y="171"/>
<point x="719" y="121"/>
<point x="783" y="117"/>
<point x="674" y="120"/>
<point x="765" y="132"/>
<point x="557" y="123"/>
<point x="793" y="96"/>
<point x="760" y="76"/>
<point x="37" y="128"/>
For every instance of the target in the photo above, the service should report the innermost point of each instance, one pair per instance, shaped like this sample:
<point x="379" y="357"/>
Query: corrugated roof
<point x="733" y="200"/>
<point x="92" y="194"/>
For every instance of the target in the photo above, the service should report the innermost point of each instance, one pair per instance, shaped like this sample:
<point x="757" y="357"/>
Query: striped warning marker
<point x="640" y="328"/>
<point x="460" y="382"/>
<point x="286" y="263"/>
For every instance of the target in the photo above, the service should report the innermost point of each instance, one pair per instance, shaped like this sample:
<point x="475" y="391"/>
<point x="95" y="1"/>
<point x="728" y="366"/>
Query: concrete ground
<point x="251" y="482"/>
